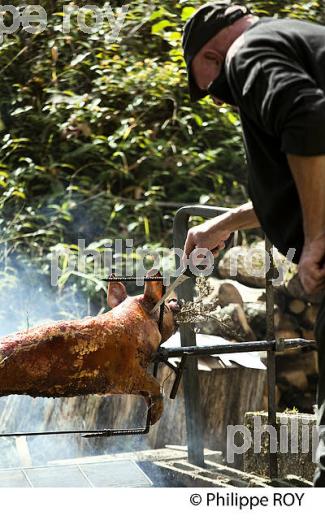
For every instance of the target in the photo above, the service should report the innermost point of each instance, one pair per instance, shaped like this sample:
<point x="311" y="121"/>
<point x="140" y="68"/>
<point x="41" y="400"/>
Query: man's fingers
<point x="316" y="276"/>
<point x="220" y="247"/>
<point x="312" y="288"/>
<point x="217" y="249"/>
<point x="188" y="248"/>
<point x="192" y="242"/>
<point x="311" y="282"/>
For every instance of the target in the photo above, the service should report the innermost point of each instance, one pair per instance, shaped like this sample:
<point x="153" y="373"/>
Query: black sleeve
<point x="282" y="99"/>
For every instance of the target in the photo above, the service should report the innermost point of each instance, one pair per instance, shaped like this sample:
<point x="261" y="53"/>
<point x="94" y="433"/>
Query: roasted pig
<point x="107" y="354"/>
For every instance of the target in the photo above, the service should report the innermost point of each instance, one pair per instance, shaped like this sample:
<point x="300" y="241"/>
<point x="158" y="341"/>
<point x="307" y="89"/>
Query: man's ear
<point x="116" y="294"/>
<point x="212" y="55"/>
<point x="153" y="291"/>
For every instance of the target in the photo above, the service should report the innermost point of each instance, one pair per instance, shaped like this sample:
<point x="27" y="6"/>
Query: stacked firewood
<point x="242" y="297"/>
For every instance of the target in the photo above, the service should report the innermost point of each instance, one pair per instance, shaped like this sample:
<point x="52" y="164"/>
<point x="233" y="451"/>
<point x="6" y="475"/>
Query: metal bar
<point x="155" y="368"/>
<point x="194" y="423"/>
<point x="170" y="365"/>
<point x="232" y="348"/>
<point x="178" y="377"/>
<point x="88" y="433"/>
<point x="124" y="432"/>
<point x="271" y="359"/>
<point x="84" y="433"/>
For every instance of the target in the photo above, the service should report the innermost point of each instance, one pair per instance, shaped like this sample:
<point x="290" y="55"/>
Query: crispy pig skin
<point x="107" y="354"/>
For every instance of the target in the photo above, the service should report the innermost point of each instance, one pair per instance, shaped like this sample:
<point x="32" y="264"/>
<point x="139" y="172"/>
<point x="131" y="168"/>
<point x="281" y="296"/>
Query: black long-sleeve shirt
<point x="277" y="79"/>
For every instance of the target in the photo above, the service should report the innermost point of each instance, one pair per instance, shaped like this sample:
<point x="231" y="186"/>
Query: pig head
<point x="107" y="354"/>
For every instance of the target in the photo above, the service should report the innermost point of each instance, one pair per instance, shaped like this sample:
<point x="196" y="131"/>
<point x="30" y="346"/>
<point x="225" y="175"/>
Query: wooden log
<point x="228" y="293"/>
<point x="308" y="334"/>
<point x="256" y="317"/>
<point x="310" y="315"/>
<point x="236" y="323"/>
<point x="281" y="298"/>
<point x="288" y="322"/>
<point x="295" y="289"/>
<point x="247" y="294"/>
<point x="293" y="360"/>
<point x="296" y="378"/>
<point x="285" y="334"/>
<point x="297" y="306"/>
<point x="245" y="264"/>
<point x="238" y="315"/>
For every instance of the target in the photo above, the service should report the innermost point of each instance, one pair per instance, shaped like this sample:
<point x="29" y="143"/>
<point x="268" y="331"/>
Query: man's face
<point x="208" y="62"/>
<point x="206" y="67"/>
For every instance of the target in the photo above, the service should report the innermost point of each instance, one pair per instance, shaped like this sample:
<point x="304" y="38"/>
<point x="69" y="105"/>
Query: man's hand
<point x="210" y="235"/>
<point x="312" y="265"/>
<point x="213" y="233"/>
<point x="309" y="176"/>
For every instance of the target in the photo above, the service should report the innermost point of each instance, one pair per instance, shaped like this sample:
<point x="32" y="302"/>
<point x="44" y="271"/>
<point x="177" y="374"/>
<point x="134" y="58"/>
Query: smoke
<point x="26" y="300"/>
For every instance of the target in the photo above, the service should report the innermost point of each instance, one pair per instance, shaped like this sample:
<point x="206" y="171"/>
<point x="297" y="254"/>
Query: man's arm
<point x="213" y="233"/>
<point x="309" y="176"/>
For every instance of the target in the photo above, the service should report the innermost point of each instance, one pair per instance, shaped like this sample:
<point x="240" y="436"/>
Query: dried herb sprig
<point x="198" y="311"/>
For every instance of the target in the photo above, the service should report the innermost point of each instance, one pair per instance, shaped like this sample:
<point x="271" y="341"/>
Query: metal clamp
<point x="178" y="378"/>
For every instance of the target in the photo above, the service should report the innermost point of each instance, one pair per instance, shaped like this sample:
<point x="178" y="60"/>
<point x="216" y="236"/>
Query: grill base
<point x="168" y="467"/>
<point x="123" y="473"/>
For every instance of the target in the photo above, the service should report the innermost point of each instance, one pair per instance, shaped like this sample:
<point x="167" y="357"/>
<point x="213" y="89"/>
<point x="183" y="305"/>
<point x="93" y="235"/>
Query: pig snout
<point x="174" y="305"/>
<point x="170" y="326"/>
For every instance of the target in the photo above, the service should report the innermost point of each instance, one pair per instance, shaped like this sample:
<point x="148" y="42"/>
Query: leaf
<point x="22" y="110"/>
<point x="19" y="194"/>
<point x="157" y="14"/>
<point x="198" y="119"/>
<point x="175" y="36"/>
<point x="159" y="27"/>
<point x="78" y="59"/>
<point x="146" y="228"/>
<point x="232" y="118"/>
<point x="187" y="13"/>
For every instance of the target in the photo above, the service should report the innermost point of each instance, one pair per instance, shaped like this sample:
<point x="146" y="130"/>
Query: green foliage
<point x="97" y="134"/>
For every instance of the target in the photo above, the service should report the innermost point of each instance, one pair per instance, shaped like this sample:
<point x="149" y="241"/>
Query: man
<point x="273" y="71"/>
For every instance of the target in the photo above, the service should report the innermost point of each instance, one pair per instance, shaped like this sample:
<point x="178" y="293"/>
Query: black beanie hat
<point x="203" y="25"/>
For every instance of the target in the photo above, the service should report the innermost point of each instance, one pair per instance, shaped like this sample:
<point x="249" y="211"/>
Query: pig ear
<point x="153" y="290"/>
<point x="116" y="294"/>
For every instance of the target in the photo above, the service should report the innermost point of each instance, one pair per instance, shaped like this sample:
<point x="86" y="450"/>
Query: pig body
<point x="107" y="354"/>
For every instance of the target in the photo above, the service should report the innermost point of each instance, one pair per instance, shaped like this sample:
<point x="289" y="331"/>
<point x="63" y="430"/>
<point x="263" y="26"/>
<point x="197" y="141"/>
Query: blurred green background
<point x="98" y="140"/>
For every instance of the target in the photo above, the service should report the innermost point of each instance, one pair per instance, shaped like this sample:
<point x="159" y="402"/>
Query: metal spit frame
<point x="193" y="407"/>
